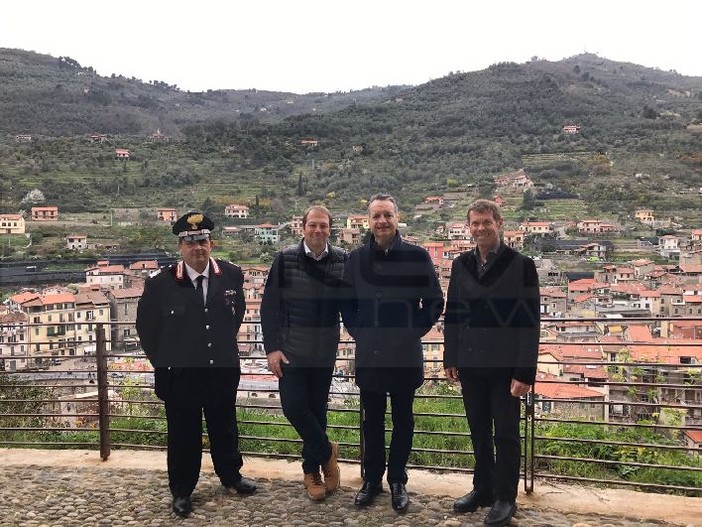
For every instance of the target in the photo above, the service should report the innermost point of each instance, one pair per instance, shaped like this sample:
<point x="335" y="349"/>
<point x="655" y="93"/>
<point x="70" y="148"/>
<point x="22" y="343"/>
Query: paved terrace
<point x="65" y="488"/>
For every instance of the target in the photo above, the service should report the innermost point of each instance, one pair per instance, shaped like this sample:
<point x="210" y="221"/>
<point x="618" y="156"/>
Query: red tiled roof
<point x="107" y="269"/>
<point x="560" y="390"/>
<point x="695" y="435"/>
<point x="21" y="298"/>
<point x="638" y="333"/>
<point x="553" y="292"/>
<point x="130" y="292"/>
<point x="579" y="299"/>
<point x="666" y="352"/>
<point x="144" y="264"/>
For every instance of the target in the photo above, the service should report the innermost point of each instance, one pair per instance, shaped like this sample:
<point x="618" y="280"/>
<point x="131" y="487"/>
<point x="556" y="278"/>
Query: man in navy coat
<point x="188" y="319"/>
<point x="394" y="301"/>
<point x="492" y="344"/>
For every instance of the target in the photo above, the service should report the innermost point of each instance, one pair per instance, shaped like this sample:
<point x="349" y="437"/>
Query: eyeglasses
<point x="192" y="241"/>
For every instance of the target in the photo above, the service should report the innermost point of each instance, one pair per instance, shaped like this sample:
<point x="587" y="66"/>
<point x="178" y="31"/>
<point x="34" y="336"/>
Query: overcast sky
<point x="342" y="45"/>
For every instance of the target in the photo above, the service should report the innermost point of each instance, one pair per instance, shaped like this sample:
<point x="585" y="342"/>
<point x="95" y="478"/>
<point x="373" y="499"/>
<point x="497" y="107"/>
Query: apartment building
<point x="12" y="224"/>
<point x="537" y="228"/>
<point x="296" y="225"/>
<point x="267" y="233"/>
<point x="104" y="275"/>
<point x="77" y="242"/>
<point x="14" y="334"/>
<point x="235" y="210"/>
<point x="167" y="215"/>
<point x="123" y="309"/>
<point x="90" y="308"/>
<point x="44" y="213"/>
<point x="357" y="221"/>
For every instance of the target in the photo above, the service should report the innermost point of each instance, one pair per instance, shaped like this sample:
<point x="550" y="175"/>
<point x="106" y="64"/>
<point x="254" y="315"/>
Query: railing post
<point x="103" y="394"/>
<point x="529" y="441"/>
<point x="361" y="446"/>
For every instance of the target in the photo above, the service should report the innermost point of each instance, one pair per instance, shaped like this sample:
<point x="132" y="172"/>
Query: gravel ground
<point x="60" y="496"/>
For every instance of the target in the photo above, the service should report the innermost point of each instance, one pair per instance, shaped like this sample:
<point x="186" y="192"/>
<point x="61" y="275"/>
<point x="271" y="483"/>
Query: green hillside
<point x="639" y="142"/>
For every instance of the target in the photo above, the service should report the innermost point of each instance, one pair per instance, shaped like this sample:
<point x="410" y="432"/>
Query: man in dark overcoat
<point x="188" y="319"/>
<point x="491" y="347"/>
<point x="395" y="299"/>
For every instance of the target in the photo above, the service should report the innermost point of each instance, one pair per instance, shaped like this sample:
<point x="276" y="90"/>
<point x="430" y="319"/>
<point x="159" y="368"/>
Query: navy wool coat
<point x="394" y="300"/>
<point x="493" y="322"/>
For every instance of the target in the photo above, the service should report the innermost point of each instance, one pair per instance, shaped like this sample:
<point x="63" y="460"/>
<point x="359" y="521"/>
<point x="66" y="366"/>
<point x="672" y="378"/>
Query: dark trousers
<point x="374" y="405"/>
<point x="488" y="403"/>
<point x="185" y="444"/>
<point x="303" y="395"/>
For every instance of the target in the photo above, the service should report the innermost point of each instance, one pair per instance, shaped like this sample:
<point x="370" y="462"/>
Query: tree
<point x="528" y="200"/>
<point x="649" y="113"/>
<point x="22" y="405"/>
<point x="34" y="197"/>
<point x="208" y="206"/>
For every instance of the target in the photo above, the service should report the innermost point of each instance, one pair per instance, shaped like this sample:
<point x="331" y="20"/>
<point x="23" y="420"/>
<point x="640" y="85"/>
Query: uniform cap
<point x="193" y="225"/>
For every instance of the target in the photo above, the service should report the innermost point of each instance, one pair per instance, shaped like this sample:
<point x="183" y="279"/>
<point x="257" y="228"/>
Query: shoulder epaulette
<point x="217" y="260"/>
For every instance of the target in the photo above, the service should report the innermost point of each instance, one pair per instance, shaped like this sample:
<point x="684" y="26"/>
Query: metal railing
<point x="629" y="429"/>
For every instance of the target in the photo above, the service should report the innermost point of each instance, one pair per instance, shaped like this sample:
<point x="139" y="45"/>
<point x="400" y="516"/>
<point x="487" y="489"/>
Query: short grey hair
<point x="382" y="197"/>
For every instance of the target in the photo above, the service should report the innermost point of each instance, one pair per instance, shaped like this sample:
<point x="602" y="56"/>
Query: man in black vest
<point x="300" y="322"/>
<point x="187" y="320"/>
<point x="394" y="300"/>
<point x="491" y="346"/>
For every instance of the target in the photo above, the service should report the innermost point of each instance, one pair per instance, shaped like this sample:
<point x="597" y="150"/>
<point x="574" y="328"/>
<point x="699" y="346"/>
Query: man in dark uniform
<point x="188" y="319"/>
<point x="300" y="322"/>
<point x="492" y="344"/>
<point x="395" y="300"/>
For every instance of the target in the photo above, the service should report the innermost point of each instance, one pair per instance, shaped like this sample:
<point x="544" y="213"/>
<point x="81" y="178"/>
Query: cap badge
<point x="195" y="220"/>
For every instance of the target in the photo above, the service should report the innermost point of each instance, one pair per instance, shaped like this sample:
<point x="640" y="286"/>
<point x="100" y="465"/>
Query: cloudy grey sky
<point x="340" y="45"/>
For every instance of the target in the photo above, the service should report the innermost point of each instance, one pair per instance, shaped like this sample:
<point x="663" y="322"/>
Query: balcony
<point x="56" y="331"/>
<point x="102" y="408"/>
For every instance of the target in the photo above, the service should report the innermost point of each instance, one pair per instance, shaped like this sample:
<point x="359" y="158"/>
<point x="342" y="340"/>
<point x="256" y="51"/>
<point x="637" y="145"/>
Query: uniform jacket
<point x="301" y="304"/>
<point x="493" y="321"/>
<point x="395" y="299"/>
<point x="192" y="345"/>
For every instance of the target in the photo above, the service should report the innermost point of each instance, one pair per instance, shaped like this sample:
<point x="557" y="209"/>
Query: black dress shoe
<point x="471" y="502"/>
<point x="242" y="486"/>
<point x="500" y="514"/>
<point x="182" y="506"/>
<point x="367" y="493"/>
<point x="400" y="498"/>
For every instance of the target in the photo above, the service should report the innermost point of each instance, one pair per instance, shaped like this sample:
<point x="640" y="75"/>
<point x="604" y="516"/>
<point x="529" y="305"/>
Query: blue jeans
<point x="304" y="392"/>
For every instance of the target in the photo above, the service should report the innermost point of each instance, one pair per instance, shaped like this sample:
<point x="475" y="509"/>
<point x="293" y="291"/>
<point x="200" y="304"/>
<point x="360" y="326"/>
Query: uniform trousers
<point x="185" y="444"/>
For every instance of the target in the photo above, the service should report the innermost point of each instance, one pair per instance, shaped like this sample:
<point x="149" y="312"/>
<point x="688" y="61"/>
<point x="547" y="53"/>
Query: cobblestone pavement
<point x="67" y="496"/>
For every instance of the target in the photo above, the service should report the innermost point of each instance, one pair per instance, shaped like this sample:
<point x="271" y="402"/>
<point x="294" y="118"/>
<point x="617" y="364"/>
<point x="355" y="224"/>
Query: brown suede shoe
<point x="330" y="469"/>
<point x="315" y="487"/>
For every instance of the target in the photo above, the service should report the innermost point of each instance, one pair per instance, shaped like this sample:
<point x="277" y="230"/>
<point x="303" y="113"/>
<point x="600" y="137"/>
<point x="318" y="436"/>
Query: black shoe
<point x="367" y="493"/>
<point x="182" y="506"/>
<point x="242" y="486"/>
<point x="400" y="498"/>
<point x="500" y="514"/>
<point x="471" y="502"/>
